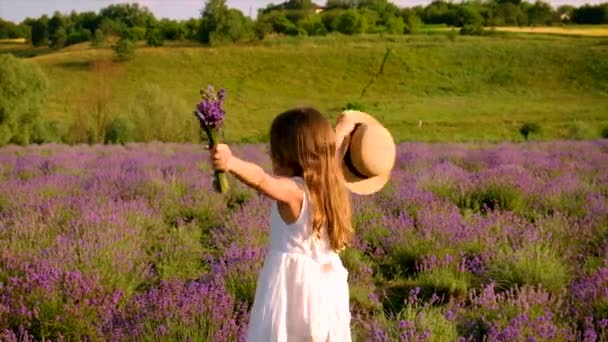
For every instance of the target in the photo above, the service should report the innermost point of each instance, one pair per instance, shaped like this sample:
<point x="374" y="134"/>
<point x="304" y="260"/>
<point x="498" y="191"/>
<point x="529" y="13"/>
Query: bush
<point x="136" y="34"/>
<point x="124" y="49"/>
<point x="155" y="37"/>
<point x="530" y="128"/>
<point x="354" y="106"/>
<point x="492" y="196"/>
<point x="349" y="22"/>
<point x="604" y="133"/>
<point x="161" y="117"/>
<point x="79" y="36"/>
<point x="120" y="131"/>
<point x="98" y="38"/>
<point x="412" y="24"/>
<point x="578" y="130"/>
<point x="531" y="264"/>
<point x="472" y="30"/>
<point x="46" y="132"/>
<point x="313" y="25"/>
<point x="22" y="93"/>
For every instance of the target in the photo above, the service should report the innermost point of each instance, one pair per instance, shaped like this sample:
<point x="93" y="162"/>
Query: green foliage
<point x="354" y="106"/>
<point x="120" y="131"/>
<point x="160" y="116"/>
<point x="604" y="132"/>
<point x="446" y="282"/>
<point x="80" y="36"/>
<point x="22" y="94"/>
<point x="530" y="128"/>
<point x="124" y="49"/>
<point x="472" y="30"/>
<point x="130" y="15"/>
<point x="46" y="132"/>
<point x="349" y="22"/>
<point x="40" y="31"/>
<point x="313" y="25"/>
<point x="410" y="85"/>
<point x="136" y="33"/>
<point x="492" y="196"/>
<point x="531" y="264"/>
<point x="591" y="14"/>
<point x="579" y="130"/>
<point x="155" y="37"/>
<point x="220" y="24"/>
<point x="98" y="38"/>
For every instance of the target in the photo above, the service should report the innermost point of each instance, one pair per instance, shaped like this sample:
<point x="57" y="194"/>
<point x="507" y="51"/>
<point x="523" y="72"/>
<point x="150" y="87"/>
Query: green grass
<point x="468" y="89"/>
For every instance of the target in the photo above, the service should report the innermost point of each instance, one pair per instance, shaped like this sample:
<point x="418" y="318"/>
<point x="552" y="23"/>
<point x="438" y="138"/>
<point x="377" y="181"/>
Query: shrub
<point x="472" y="30"/>
<point x="492" y="196"/>
<point x="604" y="133"/>
<point x="313" y="25"/>
<point x="412" y="24"/>
<point x="98" y="38"/>
<point x="354" y="106"/>
<point x="579" y="130"/>
<point x="529" y="128"/>
<point x="124" y="49"/>
<point x="119" y="131"/>
<point x="349" y="22"/>
<point x="136" y="33"/>
<point x="155" y="37"/>
<point x="46" y="132"/>
<point x="531" y="264"/>
<point x="22" y="93"/>
<point x="160" y="116"/>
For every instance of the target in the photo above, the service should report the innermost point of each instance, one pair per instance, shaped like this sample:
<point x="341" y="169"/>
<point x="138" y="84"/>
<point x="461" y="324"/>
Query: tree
<point x="40" y="32"/>
<point x="540" y="13"/>
<point x="214" y="18"/>
<point x="124" y="49"/>
<point x="22" y="93"/>
<point x="98" y="38"/>
<point x="349" y="22"/>
<point x="591" y="14"/>
<point x="155" y="37"/>
<point x="220" y="24"/>
<point x="130" y="15"/>
<point x="57" y="31"/>
<point x="313" y="25"/>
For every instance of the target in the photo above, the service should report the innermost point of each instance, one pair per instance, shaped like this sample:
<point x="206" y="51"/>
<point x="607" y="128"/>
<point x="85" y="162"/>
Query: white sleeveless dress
<point x="302" y="291"/>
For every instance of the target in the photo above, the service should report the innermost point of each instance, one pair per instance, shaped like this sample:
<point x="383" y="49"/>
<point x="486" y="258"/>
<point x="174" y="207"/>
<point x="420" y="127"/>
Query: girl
<point x="302" y="291"/>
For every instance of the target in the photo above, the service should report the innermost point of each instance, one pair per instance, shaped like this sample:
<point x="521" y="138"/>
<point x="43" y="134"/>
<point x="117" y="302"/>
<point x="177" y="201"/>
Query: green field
<point x="433" y="87"/>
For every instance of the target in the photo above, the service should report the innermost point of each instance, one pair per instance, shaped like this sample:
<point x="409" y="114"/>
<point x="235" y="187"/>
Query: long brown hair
<point x="303" y="141"/>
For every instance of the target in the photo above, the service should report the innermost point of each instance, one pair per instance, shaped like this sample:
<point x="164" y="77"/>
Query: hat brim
<point x="357" y="185"/>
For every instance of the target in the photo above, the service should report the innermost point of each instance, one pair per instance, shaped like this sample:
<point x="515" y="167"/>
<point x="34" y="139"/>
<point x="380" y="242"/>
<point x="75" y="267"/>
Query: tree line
<point x="218" y="23"/>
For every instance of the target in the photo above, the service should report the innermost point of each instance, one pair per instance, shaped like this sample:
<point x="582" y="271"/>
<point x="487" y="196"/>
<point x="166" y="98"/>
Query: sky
<point x="17" y="10"/>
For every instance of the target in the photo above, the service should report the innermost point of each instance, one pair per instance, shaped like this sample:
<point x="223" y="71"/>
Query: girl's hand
<point x="220" y="157"/>
<point x="344" y="127"/>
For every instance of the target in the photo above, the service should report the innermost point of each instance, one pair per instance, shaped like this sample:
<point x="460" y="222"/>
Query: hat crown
<point x="372" y="150"/>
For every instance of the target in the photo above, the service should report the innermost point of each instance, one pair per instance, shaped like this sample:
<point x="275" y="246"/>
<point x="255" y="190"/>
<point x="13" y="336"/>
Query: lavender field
<point x="500" y="243"/>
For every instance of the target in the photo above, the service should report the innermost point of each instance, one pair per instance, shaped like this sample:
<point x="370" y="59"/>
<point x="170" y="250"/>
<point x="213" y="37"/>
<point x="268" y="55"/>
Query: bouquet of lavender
<point x="210" y="112"/>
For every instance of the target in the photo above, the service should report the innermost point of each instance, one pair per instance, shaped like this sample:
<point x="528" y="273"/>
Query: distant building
<point x="565" y="18"/>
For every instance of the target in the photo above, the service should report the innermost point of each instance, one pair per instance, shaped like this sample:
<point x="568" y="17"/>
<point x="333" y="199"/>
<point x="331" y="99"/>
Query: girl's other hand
<point x="220" y="157"/>
<point x="344" y="127"/>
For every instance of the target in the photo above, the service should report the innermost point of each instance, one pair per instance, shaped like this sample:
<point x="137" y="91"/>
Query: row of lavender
<point x="502" y="242"/>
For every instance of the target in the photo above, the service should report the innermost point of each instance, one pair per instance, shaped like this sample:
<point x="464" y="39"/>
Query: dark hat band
<point x="348" y="161"/>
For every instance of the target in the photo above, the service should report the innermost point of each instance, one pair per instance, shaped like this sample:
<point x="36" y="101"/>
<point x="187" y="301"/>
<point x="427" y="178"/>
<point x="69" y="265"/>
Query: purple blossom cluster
<point x="210" y="111"/>
<point x="130" y="243"/>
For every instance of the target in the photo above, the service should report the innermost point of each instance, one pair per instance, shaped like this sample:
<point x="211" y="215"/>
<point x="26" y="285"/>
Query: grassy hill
<point x="458" y="88"/>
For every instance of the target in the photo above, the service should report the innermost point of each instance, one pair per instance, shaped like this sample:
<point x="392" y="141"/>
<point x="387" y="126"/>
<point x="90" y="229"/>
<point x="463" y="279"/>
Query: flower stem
<point x="220" y="179"/>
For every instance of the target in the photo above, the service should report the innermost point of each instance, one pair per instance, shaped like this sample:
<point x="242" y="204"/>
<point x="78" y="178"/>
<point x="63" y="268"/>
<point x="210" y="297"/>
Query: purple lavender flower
<point x="210" y="111"/>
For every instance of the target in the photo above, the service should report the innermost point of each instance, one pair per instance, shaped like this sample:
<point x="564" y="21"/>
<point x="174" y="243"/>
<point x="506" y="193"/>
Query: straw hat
<point x="370" y="155"/>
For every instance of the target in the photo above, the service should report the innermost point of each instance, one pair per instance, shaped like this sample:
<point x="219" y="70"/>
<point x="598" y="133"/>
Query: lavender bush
<point x="501" y="243"/>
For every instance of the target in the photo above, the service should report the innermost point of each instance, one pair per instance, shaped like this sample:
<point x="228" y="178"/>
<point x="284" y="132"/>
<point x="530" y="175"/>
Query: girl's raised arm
<point x="281" y="189"/>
